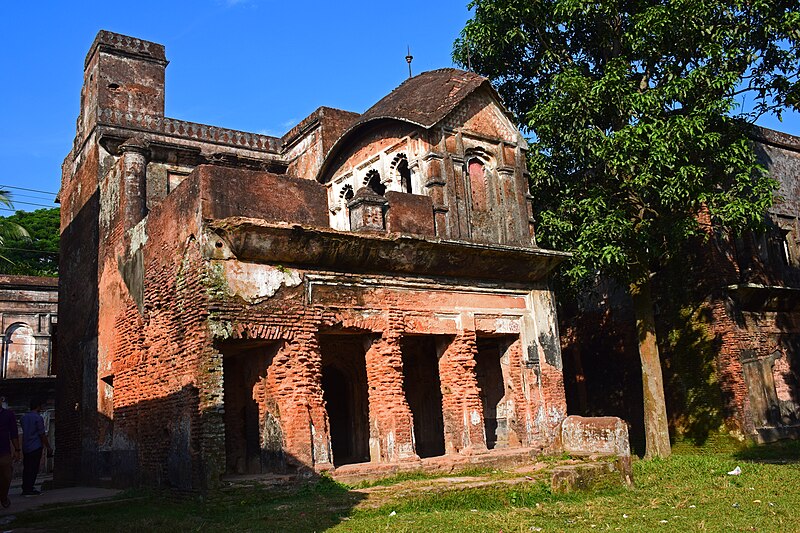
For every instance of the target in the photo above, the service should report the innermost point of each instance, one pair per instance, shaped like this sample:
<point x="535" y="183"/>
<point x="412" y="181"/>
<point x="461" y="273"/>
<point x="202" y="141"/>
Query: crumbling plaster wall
<point x="387" y="315"/>
<point x="167" y="365"/>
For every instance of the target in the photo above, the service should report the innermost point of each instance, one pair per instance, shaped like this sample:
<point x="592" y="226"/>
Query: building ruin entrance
<point x="423" y="393"/>
<point x="344" y="386"/>
<point x="491" y="371"/>
<point x="253" y="436"/>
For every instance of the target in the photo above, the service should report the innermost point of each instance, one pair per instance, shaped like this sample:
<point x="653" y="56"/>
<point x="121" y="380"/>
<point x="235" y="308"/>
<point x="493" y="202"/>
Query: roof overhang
<point x="755" y="297"/>
<point x="256" y="241"/>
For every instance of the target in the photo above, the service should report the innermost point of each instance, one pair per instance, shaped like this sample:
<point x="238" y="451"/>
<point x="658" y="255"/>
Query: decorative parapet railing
<point x="189" y="130"/>
<point x="116" y="42"/>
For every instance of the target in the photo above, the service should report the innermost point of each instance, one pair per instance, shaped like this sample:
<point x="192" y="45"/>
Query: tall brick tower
<point x="121" y="75"/>
<point x="123" y="85"/>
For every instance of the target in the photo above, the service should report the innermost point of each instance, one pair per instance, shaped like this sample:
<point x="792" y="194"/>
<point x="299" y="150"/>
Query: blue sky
<point x="253" y="65"/>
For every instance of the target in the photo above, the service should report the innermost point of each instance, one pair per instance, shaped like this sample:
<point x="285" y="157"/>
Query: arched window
<point x="373" y="181"/>
<point x="402" y="172"/>
<point x="477" y="182"/>
<point x="19" y="357"/>
<point x="346" y="193"/>
<point x="405" y="176"/>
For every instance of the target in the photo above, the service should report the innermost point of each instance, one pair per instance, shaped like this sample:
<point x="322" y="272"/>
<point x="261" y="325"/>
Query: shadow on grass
<point x="317" y="505"/>
<point x="786" y="451"/>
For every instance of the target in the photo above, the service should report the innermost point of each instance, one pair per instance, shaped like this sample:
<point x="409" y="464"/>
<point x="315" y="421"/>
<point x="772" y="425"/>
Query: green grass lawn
<point x="691" y="491"/>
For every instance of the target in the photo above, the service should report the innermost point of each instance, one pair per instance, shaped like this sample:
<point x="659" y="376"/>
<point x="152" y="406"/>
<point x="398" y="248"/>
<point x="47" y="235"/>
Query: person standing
<point x="34" y="440"/>
<point x="9" y="437"/>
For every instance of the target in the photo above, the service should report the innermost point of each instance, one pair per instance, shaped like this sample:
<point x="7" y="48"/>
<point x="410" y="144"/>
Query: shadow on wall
<point x="76" y="393"/>
<point x="694" y="397"/>
<point x="602" y="371"/>
<point x="168" y="442"/>
<point x="157" y="442"/>
<point x="602" y="374"/>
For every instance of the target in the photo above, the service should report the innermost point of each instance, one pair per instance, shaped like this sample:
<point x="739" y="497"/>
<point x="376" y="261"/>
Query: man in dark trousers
<point x="34" y="439"/>
<point x="9" y="438"/>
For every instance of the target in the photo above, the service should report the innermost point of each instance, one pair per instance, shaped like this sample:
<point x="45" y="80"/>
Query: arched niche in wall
<point x="373" y="181"/>
<point x="346" y="194"/>
<point x="402" y="173"/>
<point x="19" y="356"/>
<point x="477" y="172"/>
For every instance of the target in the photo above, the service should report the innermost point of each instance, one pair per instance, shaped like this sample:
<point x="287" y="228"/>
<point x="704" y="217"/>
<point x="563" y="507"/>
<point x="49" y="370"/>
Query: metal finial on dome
<point x="409" y="57"/>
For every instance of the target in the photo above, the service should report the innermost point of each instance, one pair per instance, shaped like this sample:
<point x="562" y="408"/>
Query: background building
<point x="28" y="318"/>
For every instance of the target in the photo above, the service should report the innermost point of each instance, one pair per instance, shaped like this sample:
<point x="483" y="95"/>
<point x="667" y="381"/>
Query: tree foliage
<point x="34" y="253"/>
<point x="637" y="135"/>
<point x="633" y="105"/>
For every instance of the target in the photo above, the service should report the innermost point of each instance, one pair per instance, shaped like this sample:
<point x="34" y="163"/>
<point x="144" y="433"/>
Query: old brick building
<point x="728" y="320"/>
<point x="365" y="289"/>
<point x="28" y="320"/>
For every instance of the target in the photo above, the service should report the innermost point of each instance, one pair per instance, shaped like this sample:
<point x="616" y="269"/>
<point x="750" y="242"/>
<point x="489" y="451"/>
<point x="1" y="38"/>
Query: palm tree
<point x="8" y="228"/>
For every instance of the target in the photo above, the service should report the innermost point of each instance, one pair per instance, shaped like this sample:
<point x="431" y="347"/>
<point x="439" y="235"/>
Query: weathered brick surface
<point x="461" y="403"/>
<point x="218" y="285"/>
<point x="391" y="426"/>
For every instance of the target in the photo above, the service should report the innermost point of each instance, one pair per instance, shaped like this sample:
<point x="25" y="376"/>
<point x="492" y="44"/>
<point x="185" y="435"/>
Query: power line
<point x="32" y="203"/>
<point x="29" y="190"/>
<point x="28" y="250"/>
<point x="17" y="194"/>
<point x="13" y="210"/>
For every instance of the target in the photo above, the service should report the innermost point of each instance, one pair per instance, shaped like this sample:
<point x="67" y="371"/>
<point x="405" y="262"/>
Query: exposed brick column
<point x="461" y="402"/>
<point x="134" y="155"/>
<point x="294" y="379"/>
<point x="390" y="422"/>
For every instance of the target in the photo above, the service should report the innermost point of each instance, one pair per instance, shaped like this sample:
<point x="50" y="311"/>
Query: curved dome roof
<point x="423" y="100"/>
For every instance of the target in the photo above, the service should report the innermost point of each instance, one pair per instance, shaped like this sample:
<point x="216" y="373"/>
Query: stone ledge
<point x="436" y="465"/>
<point x="588" y="476"/>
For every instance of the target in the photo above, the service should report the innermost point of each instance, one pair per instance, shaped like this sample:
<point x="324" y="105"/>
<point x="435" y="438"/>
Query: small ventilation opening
<point x="113" y="86"/>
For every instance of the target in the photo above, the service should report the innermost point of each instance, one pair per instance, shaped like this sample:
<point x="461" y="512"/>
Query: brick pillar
<point x="461" y="402"/>
<point x="390" y="422"/>
<point x="367" y="211"/>
<point x="134" y="155"/>
<point x="295" y="380"/>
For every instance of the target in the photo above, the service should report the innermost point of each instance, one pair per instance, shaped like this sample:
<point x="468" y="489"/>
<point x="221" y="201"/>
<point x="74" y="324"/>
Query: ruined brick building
<point x="28" y="322"/>
<point x="728" y="321"/>
<point x="365" y="289"/>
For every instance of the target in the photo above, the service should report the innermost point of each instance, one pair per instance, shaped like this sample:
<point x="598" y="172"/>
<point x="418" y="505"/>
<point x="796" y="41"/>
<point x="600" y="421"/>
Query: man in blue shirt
<point x="34" y="439"/>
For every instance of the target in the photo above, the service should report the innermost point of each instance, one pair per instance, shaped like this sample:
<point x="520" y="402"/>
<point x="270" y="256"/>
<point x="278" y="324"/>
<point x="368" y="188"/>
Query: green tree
<point x="35" y="251"/>
<point x="638" y="140"/>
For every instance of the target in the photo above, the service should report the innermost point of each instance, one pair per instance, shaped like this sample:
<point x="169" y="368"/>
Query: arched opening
<point x="477" y="182"/>
<point x="423" y="392"/>
<point x="374" y="182"/>
<point x="346" y="193"/>
<point x="253" y="434"/>
<point x="344" y="389"/>
<point x="20" y="353"/>
<point x="405" y="176"/>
